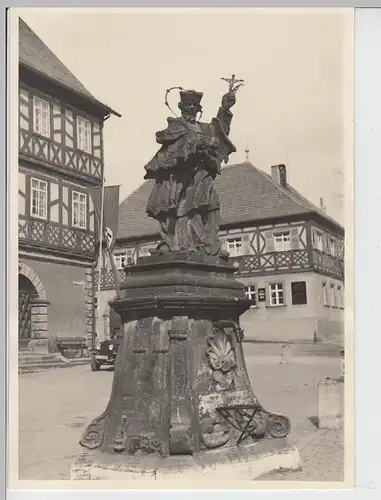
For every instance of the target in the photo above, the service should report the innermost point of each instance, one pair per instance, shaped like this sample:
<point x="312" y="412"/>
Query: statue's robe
<point x="183" y="198"/>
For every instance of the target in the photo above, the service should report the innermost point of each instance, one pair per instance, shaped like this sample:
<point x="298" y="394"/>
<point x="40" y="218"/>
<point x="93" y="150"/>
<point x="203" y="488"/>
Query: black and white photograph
<point x="183" y="293"/>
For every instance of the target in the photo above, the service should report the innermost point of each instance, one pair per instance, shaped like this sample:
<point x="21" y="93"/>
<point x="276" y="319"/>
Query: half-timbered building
<point x="60" y="157"/>
<point x="288" y="252"/>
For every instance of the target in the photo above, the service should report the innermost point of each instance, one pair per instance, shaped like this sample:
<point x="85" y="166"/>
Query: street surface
<point x="55" y="406"/>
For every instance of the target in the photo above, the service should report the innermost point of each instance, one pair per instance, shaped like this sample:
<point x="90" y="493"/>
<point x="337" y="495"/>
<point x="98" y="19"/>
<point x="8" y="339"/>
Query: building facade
<point x="60" y="157"/>
<point x="289" y="254"/>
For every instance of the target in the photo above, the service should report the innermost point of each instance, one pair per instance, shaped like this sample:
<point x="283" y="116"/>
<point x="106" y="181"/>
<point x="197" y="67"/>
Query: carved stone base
<point x="243" y="463"/>
<point x="180" y="384"/>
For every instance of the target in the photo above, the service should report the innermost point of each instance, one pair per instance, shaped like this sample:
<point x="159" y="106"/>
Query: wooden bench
<point x="71" y="344"/>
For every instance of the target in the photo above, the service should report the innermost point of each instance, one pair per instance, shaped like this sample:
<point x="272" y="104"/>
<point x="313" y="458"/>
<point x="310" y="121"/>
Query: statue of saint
<point x="183" y="199"/>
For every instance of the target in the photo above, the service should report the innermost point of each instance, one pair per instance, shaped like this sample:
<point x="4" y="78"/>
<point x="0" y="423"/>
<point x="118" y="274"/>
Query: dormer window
<point x="83" y="134"/>
<point x="41" y="116"/>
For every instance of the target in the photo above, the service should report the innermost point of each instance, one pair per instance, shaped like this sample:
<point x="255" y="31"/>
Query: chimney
<point x="322" y="206"/>
<point x="279" y="174"/>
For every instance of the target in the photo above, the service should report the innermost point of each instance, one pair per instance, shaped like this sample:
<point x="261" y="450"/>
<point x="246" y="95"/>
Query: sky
<point x="294" y="108"/>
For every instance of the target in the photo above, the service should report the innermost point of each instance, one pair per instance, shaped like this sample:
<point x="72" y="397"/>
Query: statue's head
<point x="190" y="104"/>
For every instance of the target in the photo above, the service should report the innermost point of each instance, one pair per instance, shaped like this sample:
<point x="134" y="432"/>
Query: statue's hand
<point x="228" y="100"/>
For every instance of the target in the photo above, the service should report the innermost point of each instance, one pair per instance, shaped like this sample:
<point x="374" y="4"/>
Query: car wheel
<point x="95" y="365"/>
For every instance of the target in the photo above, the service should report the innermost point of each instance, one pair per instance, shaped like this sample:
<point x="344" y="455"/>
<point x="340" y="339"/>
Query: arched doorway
<point x="27" y="294"/>
<point x="33" y="310"/>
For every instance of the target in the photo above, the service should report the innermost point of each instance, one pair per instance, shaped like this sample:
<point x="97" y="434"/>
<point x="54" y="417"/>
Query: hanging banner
<point x="110" y="213"/>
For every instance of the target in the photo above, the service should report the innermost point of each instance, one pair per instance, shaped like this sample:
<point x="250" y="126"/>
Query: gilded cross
<point x="232" y="83"/>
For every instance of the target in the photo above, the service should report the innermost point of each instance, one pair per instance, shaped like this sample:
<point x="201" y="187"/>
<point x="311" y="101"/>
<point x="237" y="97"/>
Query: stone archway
<point x="33" y="310"/>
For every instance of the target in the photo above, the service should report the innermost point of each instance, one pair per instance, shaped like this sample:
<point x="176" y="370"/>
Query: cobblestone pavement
<point x="55" y="406"/>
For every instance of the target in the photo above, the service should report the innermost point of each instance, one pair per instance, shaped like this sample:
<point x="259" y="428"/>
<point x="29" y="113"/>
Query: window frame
<point x="319" y="238"/>
<point x="83" y="119"/>
<point x="235" y="252"/>
<point x="48" y="133"/>
<point x="333" y="296"/>
<point x="270" y="300"/>
<point x="38" y="190"/>
<point x="279" y="246"/>
<point x="326" y="302"/>
<point x="331" y="243"/>
<point x="128" y="253"/>
<point x="339" y="297"/>
<point x="79" y="193"/>
<point x="118" y="257"/>
<point x="252" y="293"/>
<point x="306" y="294"/>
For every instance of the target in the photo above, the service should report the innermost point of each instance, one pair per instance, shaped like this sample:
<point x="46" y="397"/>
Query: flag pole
<point x="100" y="257"/>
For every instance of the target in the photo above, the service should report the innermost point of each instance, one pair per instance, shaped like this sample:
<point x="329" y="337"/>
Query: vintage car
<point x="104" y="353"/>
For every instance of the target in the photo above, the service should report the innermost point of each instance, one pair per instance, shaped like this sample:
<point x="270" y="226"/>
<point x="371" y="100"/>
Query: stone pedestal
<point x="180" y="385"/>
<point x="331" y="404"/>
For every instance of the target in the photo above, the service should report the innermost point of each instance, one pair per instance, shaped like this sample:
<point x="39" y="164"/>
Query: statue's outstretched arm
<point x="224" y="114"/>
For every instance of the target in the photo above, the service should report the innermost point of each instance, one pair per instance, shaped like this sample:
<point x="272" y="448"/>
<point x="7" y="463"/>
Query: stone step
<point x="28" y="361"/>
<point x="41" y="361"/>
<point x="53" y="362"/>
<point x="39" y="368"/>
<point x="31" y="369"/>
<point x="33" y="354"/>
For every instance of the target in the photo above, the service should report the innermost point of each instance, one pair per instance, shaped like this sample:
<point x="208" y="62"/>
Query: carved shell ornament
<point x="221" y="359"/>
<point x="220" y="353"/>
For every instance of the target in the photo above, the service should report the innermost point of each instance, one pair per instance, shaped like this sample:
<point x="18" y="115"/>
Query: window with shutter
<point x="235" y="246"/>
<point x="295" y="242"/>
<point x="325" y="243"/>
<point x="246" y="249"/>
<point x="281" y="241"/>
<point x="299" y="292"/>
<point x="269" y="237"/>
<point x="318" y="244"/>
<point x="223" y="244"/>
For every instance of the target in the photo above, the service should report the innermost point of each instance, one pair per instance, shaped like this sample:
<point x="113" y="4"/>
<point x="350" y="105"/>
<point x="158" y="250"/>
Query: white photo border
<point x="367" y="249"/>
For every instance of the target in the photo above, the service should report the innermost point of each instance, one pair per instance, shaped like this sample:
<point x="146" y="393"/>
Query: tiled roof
<point x="37" y="56"/>
<point x="247" y="194"/>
